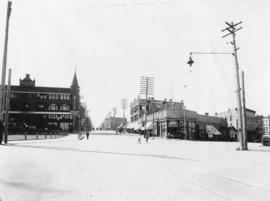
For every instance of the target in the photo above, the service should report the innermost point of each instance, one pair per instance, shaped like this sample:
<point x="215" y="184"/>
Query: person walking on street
<point x="146" y="137"/>
<point x="87" y="134"/>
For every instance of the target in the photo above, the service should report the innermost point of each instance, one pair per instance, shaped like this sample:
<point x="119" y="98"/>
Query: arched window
<point x="64" y="107"/>
<point x="53" y="107"/>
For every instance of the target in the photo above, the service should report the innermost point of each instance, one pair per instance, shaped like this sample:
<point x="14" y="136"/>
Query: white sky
<point x="114" y="42"/>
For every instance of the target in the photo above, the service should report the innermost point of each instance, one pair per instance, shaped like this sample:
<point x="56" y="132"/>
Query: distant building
<point x="254" y="122"/>
<point x="172" y="120"/>
<point x="112" y="123"/>
<point x="36" y="108"/>
<point x="139" y="105"/>
<point x="266" y="125"/>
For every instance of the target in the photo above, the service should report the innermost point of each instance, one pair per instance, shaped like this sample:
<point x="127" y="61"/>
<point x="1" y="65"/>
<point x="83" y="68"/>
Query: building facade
<point x="266" y="125"/>
<point x="112" y="123"/>
<point x="254" y="124"/>
<point x="139" y="106"/>
<point x="38" y="109"/>
<point x="173" y="120"/>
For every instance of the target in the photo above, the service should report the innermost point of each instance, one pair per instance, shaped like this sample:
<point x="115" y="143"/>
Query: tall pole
<point x="146" y="103"/>
<point x="2" y="90"/>
<point x="185" y="132"/>
<point x="244" y="112"/>
<point x="240" y="120"/>
<point x="232" y="28"/>
<point x="146" y="88"/>
<point x="124" y="107"/>
<point x="7" y="107"/>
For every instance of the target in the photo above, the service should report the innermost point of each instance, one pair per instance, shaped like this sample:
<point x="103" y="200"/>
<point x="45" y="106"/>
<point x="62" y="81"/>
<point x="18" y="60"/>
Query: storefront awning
<point x="173" y="124"/>
<point x="211" y="130"/>
<point x="149" y="126"/>
<point x="131" y="125"/>
<point x="138" y="126"/>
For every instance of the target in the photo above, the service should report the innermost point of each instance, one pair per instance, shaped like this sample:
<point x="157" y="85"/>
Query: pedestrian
<point x="87" y="134"/>
<point x="139" y="140"/>
<point x="146" y="138"/>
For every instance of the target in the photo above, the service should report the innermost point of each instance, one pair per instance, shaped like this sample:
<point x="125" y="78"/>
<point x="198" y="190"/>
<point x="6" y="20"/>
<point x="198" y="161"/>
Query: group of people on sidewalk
<point x="146" y="136"/>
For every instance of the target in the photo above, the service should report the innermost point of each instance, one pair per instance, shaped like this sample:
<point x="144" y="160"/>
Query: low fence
<point x="37" y="136"/>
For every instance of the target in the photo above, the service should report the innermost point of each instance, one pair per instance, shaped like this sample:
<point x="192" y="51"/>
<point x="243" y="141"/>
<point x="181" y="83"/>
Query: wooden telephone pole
<point x="232" y="29"/>
<point x="7" y="107"/>
<point x="244" y="112"/>
<point x="146" y="88"/>
<point x="2" y="89"/>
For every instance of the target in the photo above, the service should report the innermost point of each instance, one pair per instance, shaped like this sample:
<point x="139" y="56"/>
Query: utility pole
<point x="7" y="108"/>
<point x="2" y="90"/>
<point x="244" y="112"/>
<point x="124" y="106"/>
<point x="232" y="29"/>
<point x="146" y="88"/>
<point x="185" y="129"/>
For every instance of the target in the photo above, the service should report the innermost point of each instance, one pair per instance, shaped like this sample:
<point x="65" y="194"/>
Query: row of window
<point x="54" y="107"/>
<point x="59" y="117"/>
<point x="47" y="96"/>
<point x="59" y="96"/>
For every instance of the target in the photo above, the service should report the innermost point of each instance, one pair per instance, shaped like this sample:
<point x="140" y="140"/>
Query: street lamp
<point x="232" y="29"/>
<point x="191" y="61"/>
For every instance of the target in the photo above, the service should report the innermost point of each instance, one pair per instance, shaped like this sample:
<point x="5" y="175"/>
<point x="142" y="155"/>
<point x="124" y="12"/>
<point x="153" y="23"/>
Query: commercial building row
<point x="172" y="119"/>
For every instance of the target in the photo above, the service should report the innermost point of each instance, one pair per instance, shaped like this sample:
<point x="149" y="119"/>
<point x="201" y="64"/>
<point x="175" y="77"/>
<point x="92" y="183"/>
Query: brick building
<point x="171" y="119"/>
<point x="36" y="108"/>
<point x="138" y="106"/>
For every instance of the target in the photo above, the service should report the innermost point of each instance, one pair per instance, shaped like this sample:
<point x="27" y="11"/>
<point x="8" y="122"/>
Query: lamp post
<point x="232" y="29"/>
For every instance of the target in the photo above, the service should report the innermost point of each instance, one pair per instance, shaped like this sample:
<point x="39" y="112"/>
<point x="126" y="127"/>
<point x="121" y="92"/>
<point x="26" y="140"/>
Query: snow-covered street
<point x="116" y="168"/>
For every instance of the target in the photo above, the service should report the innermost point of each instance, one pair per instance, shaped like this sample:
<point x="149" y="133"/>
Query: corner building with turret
<point x="44" y="109"/>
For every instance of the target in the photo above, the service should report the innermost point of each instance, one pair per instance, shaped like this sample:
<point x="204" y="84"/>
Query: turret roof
<point x="75" y="81"/>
